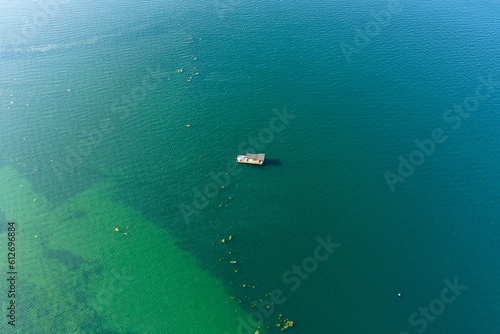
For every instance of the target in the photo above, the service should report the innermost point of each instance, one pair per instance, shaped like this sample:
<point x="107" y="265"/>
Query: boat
<point x="251" y="158"/>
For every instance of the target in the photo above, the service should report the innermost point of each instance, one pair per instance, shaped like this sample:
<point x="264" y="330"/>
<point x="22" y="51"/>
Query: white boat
<point x="250" y="158"/>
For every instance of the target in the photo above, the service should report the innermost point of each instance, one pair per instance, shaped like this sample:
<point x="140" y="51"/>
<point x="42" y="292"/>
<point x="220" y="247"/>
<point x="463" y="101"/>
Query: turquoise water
<point x="95" y="103"/>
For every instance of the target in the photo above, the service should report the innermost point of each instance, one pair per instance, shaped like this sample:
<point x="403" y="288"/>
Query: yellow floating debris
<point x="232" y="262"/>
<point x="223" y="240"/>
<point x="288" y="324"/>
<point x="230" y="237"/>
<point x="180" y="70"/>
<point x="117" y="229"/>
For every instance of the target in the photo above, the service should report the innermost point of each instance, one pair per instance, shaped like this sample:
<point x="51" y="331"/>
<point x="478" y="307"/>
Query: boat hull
<point x="243" y="159"/>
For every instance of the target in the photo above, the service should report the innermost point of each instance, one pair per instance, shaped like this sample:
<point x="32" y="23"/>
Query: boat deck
<point x="252" y="159"/>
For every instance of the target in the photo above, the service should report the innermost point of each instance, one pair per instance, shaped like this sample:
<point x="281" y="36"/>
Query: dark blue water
<point x="362" y="82"/>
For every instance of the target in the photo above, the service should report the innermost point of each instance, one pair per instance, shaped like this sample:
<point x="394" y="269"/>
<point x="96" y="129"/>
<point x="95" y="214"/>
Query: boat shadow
<point x="272" y="162"/>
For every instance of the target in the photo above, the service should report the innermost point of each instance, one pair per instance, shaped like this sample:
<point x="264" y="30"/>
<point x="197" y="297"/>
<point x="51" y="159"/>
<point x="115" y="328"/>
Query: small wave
<point x="134" y="30"/>
<point x="51" y="46"/>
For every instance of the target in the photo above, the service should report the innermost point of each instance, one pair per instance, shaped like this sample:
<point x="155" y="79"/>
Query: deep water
<point x="131" y="221"/>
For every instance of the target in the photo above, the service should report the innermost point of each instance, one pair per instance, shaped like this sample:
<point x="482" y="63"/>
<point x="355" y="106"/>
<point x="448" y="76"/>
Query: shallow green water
<point x="94" y="112"/>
